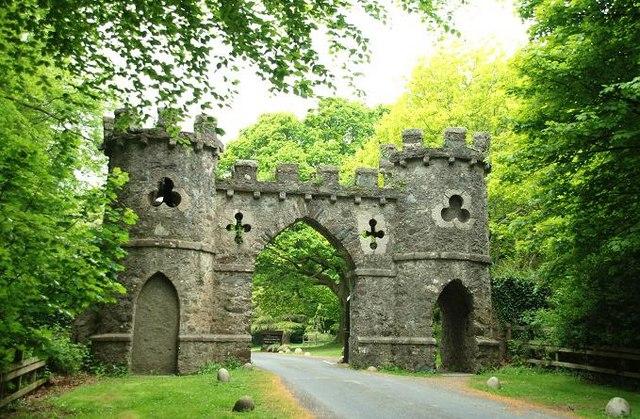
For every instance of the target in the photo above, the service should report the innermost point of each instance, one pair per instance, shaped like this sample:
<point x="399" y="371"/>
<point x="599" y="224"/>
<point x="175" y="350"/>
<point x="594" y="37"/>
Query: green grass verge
<point x="193" y="396"/>
<point x="394" y="370"/>
<point x="332" y="349"/>
<point x="557" y="389"/>
<point x="325" y="349"/>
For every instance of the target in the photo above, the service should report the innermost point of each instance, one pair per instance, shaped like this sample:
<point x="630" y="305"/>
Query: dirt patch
<point x="34" y="404"/>
<point x="279" y="388"/>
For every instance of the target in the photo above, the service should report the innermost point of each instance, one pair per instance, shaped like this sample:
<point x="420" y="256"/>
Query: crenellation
<point x="125" y="126"/>
<point x="328" y="176"/>
<point x="108" y="126"/>
<point x="455" y="138"/>
<point x="125" y="119"/>
<point x="454" y="150"/>
<point x="245" y="171"/>
<point x="287" y="172"/>
<point x="167" y="117"/>
<point x="412" y="137"/>
<point x="481" y="142"/>
<point x="366" y="177"/>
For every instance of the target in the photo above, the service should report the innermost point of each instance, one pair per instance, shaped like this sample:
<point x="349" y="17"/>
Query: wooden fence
<point x="21" y="379"/>
<point x="622" y="362"/>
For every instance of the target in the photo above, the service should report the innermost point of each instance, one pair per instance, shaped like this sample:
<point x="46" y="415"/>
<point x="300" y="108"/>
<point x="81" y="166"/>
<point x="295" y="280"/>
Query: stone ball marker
<point x="494" y="383"/>
<point x="223" y="375"/>
<point x="244" y="404"/>
<point x="298" y="351"/>
<point x="372" y="369"/>
<point x="307" y="354"/>
<point x="248" y="366"/>
<point x="618" y="407"/>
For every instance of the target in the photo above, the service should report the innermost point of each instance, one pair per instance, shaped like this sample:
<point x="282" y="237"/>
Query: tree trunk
<point x="342" y="292"/>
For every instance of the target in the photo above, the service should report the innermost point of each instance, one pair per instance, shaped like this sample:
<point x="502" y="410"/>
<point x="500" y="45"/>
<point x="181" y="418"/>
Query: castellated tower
<point x="441" y="245"/>
<point x="417" y="248"/>
<point x="168" y="268"/>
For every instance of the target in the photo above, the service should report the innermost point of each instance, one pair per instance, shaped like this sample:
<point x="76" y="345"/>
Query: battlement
<point x="455" y="149"/>
<point x="287" y="182"/>
<point x="125" y="127"/>
<point x="326" y="181"/>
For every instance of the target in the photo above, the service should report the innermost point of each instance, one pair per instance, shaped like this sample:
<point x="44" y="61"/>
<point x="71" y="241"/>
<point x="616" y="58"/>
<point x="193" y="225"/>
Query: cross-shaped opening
<point x="165" y="194"/>
<point x="238" y="228"/>
<point x="455" y="210"/>
<point x="373" y="233"/>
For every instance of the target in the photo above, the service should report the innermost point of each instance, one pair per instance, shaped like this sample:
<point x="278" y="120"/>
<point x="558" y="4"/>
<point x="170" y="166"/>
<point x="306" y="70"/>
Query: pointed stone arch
<point x="457" y="344"/>
<point x="156" y="327"/>
<point x="342" y="250"/>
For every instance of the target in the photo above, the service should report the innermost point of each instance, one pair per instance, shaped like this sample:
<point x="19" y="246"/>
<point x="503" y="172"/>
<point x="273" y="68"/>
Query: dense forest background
<point x="564" y="114"/>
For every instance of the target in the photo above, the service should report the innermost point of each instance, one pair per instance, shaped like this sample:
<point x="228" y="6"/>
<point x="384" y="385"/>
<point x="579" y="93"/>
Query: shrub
<point x="64" y="356"/>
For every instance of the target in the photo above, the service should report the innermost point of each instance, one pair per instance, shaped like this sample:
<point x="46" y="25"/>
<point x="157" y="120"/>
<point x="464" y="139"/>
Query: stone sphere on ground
<point x="341" y="360"/>
<point x="248" y="365"/>
<point x="494" y="383"/>
<point x="372" y="369"/>
<point x="223" y="375"/>
<point x="618" y="407"/>
<point x="298" y="351"/>
<point x="244" y="404"/>
<point x="307" y="354"/>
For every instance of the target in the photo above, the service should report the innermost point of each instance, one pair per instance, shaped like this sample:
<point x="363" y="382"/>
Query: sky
<point x="396" y="48"/>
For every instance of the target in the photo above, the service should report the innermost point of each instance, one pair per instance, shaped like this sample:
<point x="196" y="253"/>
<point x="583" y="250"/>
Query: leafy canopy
<point x="60" y="238"/>
<point x="580" y="87"/>
<point x="186" y="48"/>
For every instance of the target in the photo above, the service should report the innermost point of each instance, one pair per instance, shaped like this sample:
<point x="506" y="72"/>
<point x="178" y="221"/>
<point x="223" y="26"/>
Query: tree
<point x="297" y="279"/>
<point x="300" y="258"/>
<point x="174" y="48"/>
<point x="60" y="240"/>
<point x="580" y="87"/>
<point x="454" y="87"/>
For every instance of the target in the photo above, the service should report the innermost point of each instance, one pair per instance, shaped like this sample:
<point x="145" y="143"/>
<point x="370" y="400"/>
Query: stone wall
<point x="204" y="236"/>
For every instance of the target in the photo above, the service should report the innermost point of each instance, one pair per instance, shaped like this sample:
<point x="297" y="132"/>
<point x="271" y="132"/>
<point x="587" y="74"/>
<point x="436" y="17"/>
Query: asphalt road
<point x="332" y="391"/>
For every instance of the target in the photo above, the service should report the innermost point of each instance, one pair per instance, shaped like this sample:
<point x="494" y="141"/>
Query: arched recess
<point x="457" y="339"/>
<point x="156" y="327"/>
<point x="345" y="287"/>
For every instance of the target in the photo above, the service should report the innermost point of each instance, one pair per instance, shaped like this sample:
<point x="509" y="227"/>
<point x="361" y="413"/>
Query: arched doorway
<point x="156" y="326"/>
<point x="301" y="286"/>
<point x="455" y="305"/>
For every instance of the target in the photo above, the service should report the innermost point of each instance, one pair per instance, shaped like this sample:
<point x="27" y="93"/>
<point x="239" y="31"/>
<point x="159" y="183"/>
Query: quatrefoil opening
<point x="238" y="228"/>
<point x="455" y="210"/>
<point x="373" y="234"/>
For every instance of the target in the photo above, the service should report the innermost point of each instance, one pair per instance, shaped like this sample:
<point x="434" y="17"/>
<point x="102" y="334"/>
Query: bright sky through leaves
<point x="396" y="49"/>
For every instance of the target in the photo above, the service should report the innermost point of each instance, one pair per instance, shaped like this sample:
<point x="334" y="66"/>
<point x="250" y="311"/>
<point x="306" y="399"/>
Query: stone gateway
<point x="417" y="243"/>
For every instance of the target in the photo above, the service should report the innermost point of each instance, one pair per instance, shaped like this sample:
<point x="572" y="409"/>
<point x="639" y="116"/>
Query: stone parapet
<point x="455" y="149"/>
<point x="287" y="183"/>
<point x="203" y="136"/>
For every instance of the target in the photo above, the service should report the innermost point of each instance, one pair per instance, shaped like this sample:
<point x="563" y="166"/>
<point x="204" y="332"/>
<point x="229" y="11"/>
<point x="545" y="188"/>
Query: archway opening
<point x="301" y="291"/>
<point x="453" y="328"/>
<point x="156" y="327"/>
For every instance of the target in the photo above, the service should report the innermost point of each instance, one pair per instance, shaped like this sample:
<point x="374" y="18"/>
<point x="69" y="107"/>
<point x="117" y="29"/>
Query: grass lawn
<point x="557" y="389"/>
<point x="192" y="396"/>
<point x="332" y="349"/>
